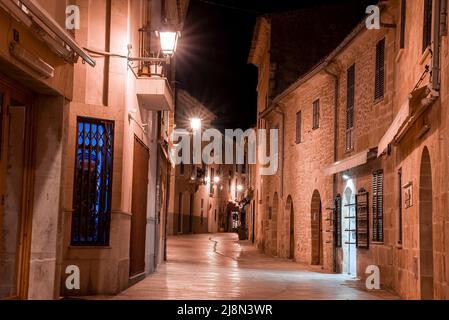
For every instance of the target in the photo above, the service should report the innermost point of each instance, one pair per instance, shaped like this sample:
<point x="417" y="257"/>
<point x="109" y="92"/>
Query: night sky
<point x="213" y="51"/>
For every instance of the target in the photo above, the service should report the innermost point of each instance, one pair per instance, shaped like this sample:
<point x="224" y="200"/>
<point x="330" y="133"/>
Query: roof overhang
<point x="349" y="163"/>
<point x="45" y="19"/>
<point x="409" y="111"/>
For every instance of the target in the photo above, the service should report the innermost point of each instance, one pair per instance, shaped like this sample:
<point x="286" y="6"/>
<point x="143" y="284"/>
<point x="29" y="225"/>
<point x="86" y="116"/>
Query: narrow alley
<point x="218" y="266"/>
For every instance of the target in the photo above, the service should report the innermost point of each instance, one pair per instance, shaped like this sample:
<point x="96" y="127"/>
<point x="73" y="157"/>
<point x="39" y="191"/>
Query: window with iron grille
<point x="93" y="182"/>
<point x="378" y="194"/>
<point x="380" y="70"/>
<point x="403" y="22"/>
<point x="298" y="127"/>
<point x="337" y="222"/>
<point x="316" y="115"/>
<point x="350" y="102"/>
<point x="427" y="25"/>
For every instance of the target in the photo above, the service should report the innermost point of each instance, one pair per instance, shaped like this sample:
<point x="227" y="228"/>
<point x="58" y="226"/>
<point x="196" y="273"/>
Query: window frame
<point x="427" y="24"/>
<point x="299" y="127"/>
<point x="403" y="24"/>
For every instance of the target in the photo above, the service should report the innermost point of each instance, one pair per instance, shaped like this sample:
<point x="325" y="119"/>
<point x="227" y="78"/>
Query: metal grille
<point x="316" y="115"/>
<point x="380" y="70"/>
<point x="378" y="226"/>
<point x="350" y="102"/>
<point x="427" y="25"/>
<point x="337" y="222"/>
<point x="93" y="182"/>
<point x="362" y="219"/>
<point x="298" y="127"/>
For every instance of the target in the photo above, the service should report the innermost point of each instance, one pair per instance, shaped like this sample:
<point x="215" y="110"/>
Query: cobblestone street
<point x="218" y="266"/>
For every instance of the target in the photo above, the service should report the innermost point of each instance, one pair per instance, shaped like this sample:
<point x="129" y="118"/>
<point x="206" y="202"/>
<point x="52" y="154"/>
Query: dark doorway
<point x="289" y="210"/>
<point x="317" y="229"/>
<point x="17" y="125"/>
<point x="139" y="208"/>
<point x="426" y="228"/>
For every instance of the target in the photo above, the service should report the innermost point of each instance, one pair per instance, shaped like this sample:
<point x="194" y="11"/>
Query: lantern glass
<point x="169" y="42"/>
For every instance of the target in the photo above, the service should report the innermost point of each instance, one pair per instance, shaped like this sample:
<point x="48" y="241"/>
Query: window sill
<point x="377" y="243"/>
<point x="378" y="100"/>
<point x="424" y="56"/>
<point x="90" y="247"/>
<point x="400" y="54"/>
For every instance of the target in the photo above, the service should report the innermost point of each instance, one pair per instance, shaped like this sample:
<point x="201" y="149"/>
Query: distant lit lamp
<point x="169" y="41"/>
<point x="195" y="124"/>
<point x="217" y="179"/>
<point x="239" y="188"/>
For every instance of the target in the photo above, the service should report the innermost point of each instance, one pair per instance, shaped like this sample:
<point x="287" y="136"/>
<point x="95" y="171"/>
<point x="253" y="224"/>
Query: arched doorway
<point x="291" y="227"/>
<point x="317" y="229"/>
<point x="425" y="228"/>
<point x="273" y="226"/>
<point x="348" y="223"/>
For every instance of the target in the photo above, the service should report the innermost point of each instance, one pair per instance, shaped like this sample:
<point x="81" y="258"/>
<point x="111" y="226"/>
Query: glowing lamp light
<point x="195" y="124"/>
<point x="217" y="179"/>
<point x="239" y="187"/>
<point x="169" y="41"/>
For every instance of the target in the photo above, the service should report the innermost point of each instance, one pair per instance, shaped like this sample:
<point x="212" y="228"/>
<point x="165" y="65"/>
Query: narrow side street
<point x="218" y="266"/>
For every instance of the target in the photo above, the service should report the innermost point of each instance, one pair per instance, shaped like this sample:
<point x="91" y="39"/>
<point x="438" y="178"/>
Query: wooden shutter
<point x="380" y="70"/>
<point x="350" y="98"/>
<point x="298" y="127"/>
<point x="403" y="22"/>
<point x="378" y="234"/>
<point x="316" y="114"/>
<point x="362" y="219"/>
<point x="337" y="222"/>
<point x="350" y="102"/>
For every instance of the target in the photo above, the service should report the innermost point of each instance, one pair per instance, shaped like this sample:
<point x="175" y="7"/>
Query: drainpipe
<point x="334" y="178"/>
<point x="435" y="85"/>
<point x="279" y="111"/>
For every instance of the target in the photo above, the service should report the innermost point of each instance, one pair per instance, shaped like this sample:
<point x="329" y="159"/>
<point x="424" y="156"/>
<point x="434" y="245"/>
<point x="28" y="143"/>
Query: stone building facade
<point x="95" y="188"/>
<point x="364" y="138"/>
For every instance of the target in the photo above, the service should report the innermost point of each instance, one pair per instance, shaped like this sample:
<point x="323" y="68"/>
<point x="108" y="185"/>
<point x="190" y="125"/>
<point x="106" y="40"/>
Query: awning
<point x="348" y="163"/>
<point x="46" y="19"/>
<point x="402" y="119"/>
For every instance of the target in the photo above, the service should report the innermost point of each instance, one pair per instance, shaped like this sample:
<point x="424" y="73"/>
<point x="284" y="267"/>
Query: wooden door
<point x="17" y="133"/>
<point x="139" y="208"/>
